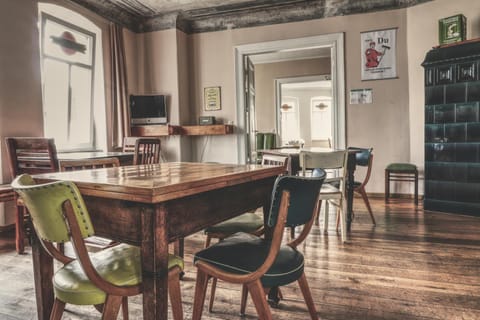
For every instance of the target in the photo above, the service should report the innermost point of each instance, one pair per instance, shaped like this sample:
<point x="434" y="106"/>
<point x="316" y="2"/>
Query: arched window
<point x="72" y="80"/>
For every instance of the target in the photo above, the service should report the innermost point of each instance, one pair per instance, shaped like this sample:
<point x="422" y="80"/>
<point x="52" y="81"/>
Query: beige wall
<point x="265" y="75"/>
<point x="213" y="56"/>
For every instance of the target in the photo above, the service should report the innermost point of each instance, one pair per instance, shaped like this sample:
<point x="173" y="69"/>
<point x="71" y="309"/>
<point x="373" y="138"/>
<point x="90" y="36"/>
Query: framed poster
<point x="211" y="98"/>
<point x="379" y="57"/>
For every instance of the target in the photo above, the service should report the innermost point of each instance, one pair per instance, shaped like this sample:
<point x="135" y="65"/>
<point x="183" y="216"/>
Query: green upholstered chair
<point x="105" y="278"/>
<point x="260" y="264"/>
<point x="405" y="172"/>
<point x="364" y="158"/>
<point x="248" y="222"/>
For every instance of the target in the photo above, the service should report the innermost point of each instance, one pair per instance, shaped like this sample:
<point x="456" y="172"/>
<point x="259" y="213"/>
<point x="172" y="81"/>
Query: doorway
<point x="292" y="49"/>
<point x="304" y="111"/>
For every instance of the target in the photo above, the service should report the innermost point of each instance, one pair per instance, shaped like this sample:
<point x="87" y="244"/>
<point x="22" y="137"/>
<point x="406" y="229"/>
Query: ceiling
<point x="194" y="16"/>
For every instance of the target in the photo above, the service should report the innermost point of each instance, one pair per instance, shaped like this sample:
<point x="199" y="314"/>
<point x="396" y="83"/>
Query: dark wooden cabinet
<point x="452" y="129"/>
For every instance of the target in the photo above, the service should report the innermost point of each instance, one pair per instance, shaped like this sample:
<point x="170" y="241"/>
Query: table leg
<point x="155" y="263"/>
<point x="350" y="186"/>
<point x="42" y="274"/>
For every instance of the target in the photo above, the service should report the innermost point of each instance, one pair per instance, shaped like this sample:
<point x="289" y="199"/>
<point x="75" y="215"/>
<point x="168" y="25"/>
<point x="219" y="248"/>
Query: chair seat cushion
<point x="402" y="167"/>
<point x="247" y="222"/>
<point x="244" y="253"/>
<point x="119" y="265"/>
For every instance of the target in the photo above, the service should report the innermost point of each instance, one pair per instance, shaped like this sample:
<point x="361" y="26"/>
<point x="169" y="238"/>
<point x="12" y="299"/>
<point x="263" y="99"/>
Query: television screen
<point x="148" y="109"/>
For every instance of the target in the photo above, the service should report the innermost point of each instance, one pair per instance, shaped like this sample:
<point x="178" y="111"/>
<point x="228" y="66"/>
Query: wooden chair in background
<point x="129" y="144"/>
<point x="364" y="158"/>
<point x="260" y="264"/>
<point x="71" y="165"/>
<point x="147" y="151"/>
<point x="334" y="188"/>
<point x="322" y="143"/>
<point x="106" y="277"/>
<point x="33" y="156"/>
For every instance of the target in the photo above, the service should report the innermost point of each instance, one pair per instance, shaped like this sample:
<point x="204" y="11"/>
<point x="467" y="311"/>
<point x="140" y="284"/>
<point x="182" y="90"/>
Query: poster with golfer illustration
<point x="379" y="54"/>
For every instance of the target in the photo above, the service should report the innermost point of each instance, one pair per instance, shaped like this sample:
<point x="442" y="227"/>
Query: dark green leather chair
<point x="106" y="277"/>
<point x="260" y="264"/>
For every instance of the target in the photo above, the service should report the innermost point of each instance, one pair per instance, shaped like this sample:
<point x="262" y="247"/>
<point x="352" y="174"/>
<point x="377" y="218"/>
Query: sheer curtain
<point x="121" y="126"/>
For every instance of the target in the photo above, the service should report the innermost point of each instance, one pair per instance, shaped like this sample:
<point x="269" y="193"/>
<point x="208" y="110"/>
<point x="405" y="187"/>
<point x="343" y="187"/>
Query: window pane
<point x="81" y="111"/>
<point x="55" y="105"/>
<point x="321" y="125"/>
<point x="66" y="43"/>
<point x="289" y="120"/>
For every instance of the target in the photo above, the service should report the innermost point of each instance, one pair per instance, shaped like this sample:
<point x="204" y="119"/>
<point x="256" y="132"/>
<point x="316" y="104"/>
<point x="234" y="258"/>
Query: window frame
<point x="91" y="145"/>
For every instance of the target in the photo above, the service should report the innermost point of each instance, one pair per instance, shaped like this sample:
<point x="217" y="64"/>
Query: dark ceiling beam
<point x="241" y="15"/>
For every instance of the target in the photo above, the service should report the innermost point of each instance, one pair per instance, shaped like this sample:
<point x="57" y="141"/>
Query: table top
<point x="160" y="182"/>
<point x="294" y="151"/>
<point x="91" y="155"/>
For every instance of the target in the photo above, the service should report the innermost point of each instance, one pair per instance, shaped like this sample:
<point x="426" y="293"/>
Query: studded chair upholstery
<point x="107" y="277"/>
<point x="259" y="264"/>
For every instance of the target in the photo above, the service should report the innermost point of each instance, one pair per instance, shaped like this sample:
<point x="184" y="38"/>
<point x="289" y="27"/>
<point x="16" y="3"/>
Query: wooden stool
<point x="401" y="172"/>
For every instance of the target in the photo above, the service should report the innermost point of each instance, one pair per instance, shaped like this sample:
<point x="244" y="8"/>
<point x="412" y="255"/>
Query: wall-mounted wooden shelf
<point x="168" y="130"/>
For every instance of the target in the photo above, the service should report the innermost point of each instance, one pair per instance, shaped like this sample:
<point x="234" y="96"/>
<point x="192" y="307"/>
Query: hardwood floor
<point x="412" y="265"/>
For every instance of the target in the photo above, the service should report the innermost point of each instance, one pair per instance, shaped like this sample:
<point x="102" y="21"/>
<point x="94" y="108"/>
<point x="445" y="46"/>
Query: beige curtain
<point x="121" y="126"/>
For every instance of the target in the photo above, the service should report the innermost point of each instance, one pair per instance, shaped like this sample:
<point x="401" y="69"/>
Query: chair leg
<point x="19" y="229"/>
<point x="325" y="217"/>
<point x="292" y="232"/>
<point x="387" y="185"/>
<point x="212" y="294"/>
<point x="243" y="303"/>
<point x="258" y="296"/>
<point x="363" y="193"/>
<point x="200" y="291"/>
<point x="125" y="307"/>
<point x="208" y="241"/>
<point x="111" y="307"/>
<point x="57" y="310"/>
<point x="343" y="224"/>
<point x="178" y="247"/>
<point x="307" y="295"/>
<point x="416" y="188"/>
<point x="174" y="293"/>
<point x="338" y="219"/>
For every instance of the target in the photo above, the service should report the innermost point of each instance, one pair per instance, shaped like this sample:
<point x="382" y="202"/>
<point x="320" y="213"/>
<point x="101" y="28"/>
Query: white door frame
<point x="336" y="43"/>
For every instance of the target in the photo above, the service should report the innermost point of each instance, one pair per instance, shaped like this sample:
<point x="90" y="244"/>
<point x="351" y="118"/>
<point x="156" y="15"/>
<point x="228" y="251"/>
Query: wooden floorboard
<point x="411" y="265"/>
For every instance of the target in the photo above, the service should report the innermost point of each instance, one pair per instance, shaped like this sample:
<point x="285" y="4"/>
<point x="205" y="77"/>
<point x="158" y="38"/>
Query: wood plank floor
<point x="412" y="265"/>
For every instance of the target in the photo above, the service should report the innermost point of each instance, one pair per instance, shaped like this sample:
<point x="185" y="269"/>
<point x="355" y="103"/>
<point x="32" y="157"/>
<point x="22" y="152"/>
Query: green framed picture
<point x="452" y="29"/>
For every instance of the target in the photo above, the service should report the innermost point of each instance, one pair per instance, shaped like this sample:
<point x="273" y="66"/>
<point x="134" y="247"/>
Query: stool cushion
<point x="119" y="265"/>
<point x="401" y="167"/>
<point x="244" y="253"/>
<point x="247" y="222"/>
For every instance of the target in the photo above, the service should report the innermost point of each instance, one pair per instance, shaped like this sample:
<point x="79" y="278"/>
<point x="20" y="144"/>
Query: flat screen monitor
<point x="148" y="109"/>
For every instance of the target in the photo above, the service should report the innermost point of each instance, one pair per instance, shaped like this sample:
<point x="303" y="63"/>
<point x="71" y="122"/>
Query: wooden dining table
<point x="294" y="167"/>
<point x="125" y="158"/>
<point x="153" y="205"/>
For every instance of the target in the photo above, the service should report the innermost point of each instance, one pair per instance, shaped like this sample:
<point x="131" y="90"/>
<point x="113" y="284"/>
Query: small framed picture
<point x="212" y="98"/>
<point x="378" y="54"/>
<point x="361" y="96"/>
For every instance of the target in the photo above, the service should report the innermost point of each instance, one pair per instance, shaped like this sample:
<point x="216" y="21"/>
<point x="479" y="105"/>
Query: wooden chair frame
<point x="251" y="282"/>
<point x="30" y="155"/>
<point x="147" y="151"/>
<point x="360" y="189"/>
<point x="70" y="165"/>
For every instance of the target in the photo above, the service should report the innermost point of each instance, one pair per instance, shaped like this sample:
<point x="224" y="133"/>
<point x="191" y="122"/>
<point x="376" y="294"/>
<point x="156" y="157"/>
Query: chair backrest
<point x="337" y="160"/>
<point x="71" y="165"/>
<point x="303" y="203"/>
<point x="147" y="151"/>
<point x="321" y="143"/>
<point x="129" y="144"/>
<point x="59" y="215"/>
<point x="271" y="159"/>
<point x="45" y="202"/>
<point x="364" y="158"/>
<point x="31" y="155"/>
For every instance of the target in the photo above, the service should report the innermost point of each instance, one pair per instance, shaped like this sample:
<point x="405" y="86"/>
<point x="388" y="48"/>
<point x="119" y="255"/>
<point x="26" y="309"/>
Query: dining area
<point x="152" y="208"/>
<point x="150" y="205"/>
